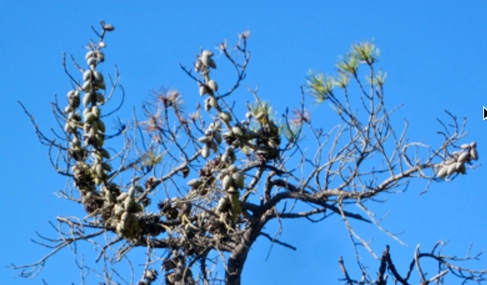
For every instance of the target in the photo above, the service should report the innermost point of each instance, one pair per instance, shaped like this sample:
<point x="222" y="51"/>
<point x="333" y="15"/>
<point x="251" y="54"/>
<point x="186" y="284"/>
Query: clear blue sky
<point x="434" y="53"/>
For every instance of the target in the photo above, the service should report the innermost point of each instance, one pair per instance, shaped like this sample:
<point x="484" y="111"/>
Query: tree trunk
<point x="235" y="268"/>
<point x="238" y="256"/>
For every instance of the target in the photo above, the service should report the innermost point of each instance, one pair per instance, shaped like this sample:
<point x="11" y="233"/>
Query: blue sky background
<point x="434" y="53"/>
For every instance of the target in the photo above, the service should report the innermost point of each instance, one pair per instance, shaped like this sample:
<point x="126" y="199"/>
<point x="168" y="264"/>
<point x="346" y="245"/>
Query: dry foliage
<point x="196" y="189"/>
